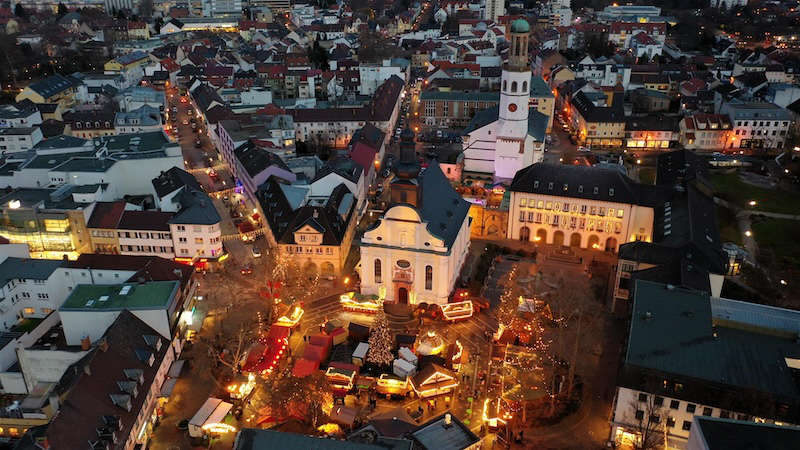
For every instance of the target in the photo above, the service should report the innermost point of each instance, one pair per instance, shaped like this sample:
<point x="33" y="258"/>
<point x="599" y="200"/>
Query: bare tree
<point x="228" y="344"/>
<point x="649" y="423"/>
<point x="308" y="398"/>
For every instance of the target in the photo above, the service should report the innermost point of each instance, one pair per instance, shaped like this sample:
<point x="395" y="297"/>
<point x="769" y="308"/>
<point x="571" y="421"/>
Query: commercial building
<point x="691" y="355"/>
<point x="19" y="139"/>
<point x="23" y="114"/>
<point x="415" y="251"/>
<point x="599" y="122"/>
<point x="651" y="132"/>
<point x="141" y="120"/>
<point x="585" y="207"/>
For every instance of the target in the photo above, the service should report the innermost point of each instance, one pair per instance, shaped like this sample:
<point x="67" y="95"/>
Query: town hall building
<point x="414" y="252"/>
<point x="509" y="137"/>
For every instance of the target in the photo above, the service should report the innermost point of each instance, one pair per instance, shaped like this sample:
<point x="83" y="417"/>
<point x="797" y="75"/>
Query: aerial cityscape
<point x="409" y="225"/>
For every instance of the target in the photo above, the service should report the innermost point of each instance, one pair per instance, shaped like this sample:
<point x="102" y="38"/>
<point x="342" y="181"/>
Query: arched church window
<point x="524" y="86"/>
<point x="505" y="87"/>
<point x="513" y="86"/>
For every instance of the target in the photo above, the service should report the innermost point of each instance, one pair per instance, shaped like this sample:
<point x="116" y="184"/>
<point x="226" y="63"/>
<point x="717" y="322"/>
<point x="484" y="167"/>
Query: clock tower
<point x="514" y="87"/>
<point x="514" y="148"/>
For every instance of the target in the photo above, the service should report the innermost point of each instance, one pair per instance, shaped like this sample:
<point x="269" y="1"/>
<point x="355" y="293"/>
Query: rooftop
<point x="114" y="297"/>
<point x="27" y="269"/>
<point x="438" y="434"/>
<point x="729" y="434"/>
<point x="672" y="331"/>
<point x="255" y="439"/>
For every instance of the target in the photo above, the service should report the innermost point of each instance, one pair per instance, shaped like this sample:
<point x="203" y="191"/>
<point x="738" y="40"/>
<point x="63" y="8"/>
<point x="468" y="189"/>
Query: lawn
<point x="26" y="325"/>
<point x="781" y="237"/>
<point x="729" y="187"/>
<point x="728" y="227"/>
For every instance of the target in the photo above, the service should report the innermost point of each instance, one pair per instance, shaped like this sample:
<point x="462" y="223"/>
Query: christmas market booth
<point x="341" y="376"/>
<point x="264" y="355"/>
<point x="355" y="302"/>
<point x="433" y="380"/>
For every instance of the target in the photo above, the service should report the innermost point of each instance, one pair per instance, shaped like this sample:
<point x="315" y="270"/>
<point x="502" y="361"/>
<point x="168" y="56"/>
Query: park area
<point x="731" y="187"/>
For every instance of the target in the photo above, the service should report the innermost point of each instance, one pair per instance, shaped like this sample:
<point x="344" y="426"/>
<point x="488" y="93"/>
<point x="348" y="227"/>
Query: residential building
<point x="371" y="76"/>
<point x="579" y="206"/>
<point x="131" y="65"/>
<point x="23" y="114"/>
<point x="222" y="8"/>
<point x="757" y="125"/>
<point x="29" y="289"/>
<point x="253" y="163"/>
<point x="597" y="123"/>
<point x="727" y="359"/>
<point x="621" y="33"/>
<point x="706" y="132"/>
<point x="542" y="99"/>
<point x="275" y="132"/>
<point x="19" y="139"/>
<point x="89" y="124"/>
<point x="117" y="385"/>
<point x="636" y="13"/>
<point x="415" y="251"/>
<point x="90" y="309"/>
<point x="141" y="120"/>
<point x="53" y="89"/>
<point x="135" y="97"/>
<point x="502" y="140"/>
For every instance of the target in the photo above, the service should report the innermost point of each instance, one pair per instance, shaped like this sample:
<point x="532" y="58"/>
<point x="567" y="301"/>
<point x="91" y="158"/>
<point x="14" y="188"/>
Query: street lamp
<point x="752" y="203"/>
<point x="748" y="233"/>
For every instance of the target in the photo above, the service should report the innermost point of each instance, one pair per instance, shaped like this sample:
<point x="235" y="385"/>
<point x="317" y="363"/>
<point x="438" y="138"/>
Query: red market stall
<point x="304" y="367"/>
<point x="265" y="354"/>
<point x="315" y="353"/>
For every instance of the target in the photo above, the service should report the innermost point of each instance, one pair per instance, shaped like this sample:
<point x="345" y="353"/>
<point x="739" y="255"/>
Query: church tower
<point x="514" y="149"/>
<point x="514" y="87"/>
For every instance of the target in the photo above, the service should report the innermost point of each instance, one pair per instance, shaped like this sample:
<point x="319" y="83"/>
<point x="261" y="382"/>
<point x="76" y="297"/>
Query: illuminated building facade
<point x="585" y="207"/>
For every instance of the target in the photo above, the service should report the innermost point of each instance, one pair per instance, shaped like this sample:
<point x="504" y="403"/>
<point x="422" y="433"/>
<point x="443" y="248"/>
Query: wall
<point x="94" y="323"/>
<point x="208" y="246"/>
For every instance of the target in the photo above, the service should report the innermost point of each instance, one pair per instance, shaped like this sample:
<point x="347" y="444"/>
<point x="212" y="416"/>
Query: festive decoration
<point x="219" y="428"/>
<point x="358" y="303"/>
<point x="242" y="390"/>
<point x="430" y="344"/>
<point x="292" y="320"/>
<point x="456" y="311"/>
<point x="380" y="341"/>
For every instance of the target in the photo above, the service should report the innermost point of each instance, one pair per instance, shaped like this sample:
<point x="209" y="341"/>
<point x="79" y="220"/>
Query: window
<point x="428" y="278"/>
<point x="182" y="240"/>
<point x="524" y="86"/>
<point x="690" y="408"/>
<point x="505" y="85"/>
<point x="642" y="397"/>
<point x="377" y="270"/>
<point x="707" y="411"/>
<point x="198" y="240"/>
<point x="513" y="86"/>
<point x="655" y="418"/>
<point x="658" y="401"/>
<point x="724" y="414"/>
<point x="639" y="414"/>
<point x="670" y="422"/>
<point x="687" y="425"/>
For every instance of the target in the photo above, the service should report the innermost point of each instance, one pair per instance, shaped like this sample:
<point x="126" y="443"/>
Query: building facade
<point x="577" y="206"/>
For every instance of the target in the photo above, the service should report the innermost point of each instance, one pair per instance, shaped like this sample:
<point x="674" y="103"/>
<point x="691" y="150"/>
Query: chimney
<point x="86" y="343"/>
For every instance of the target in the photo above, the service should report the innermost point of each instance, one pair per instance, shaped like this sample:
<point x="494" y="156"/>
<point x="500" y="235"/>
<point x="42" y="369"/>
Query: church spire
<point x="518" y="53"/>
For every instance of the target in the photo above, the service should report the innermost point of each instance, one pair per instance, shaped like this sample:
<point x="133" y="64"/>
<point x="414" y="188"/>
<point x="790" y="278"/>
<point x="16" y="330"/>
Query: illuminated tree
<point x="380" y="341"/>
<point x="309" y="398"/>
<point x="227" y="345"/>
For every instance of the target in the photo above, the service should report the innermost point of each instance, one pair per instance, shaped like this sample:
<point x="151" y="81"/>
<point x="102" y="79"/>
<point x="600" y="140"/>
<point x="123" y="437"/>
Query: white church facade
<point x="504" y="139"/>
<point x="414" y="253"/>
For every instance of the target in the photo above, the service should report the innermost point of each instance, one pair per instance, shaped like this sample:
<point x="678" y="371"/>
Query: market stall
<point x="210" y="417"/>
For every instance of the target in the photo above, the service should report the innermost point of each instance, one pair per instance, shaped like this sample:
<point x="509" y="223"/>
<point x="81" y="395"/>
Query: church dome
<point x="520" y="26"/>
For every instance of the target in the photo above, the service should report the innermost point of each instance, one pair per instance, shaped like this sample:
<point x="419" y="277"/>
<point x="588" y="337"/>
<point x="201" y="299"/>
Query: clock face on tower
<point x="512" y="107"/>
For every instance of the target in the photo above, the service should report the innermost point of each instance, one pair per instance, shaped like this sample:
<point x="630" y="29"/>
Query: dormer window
<point x="566" y="186"/>
<point x="596" y="190"/>
<point x="77" y="125"/>
<point x="550" y="186"/>
<point x="610" y="192"/>
<point x="536" y="184"/>
<point x="580" y="189"/>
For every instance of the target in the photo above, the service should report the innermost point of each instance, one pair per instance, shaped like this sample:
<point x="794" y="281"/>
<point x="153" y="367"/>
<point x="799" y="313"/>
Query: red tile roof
<point x="106" y="215"/>
<point x="145" y="220"/>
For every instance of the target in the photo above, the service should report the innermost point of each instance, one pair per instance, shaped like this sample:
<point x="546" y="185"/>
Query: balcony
<point x="404" y="275"/>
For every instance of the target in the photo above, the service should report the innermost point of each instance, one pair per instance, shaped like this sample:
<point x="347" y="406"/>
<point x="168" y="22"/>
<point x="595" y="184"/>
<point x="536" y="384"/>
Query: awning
<point x="175" y="368"/>
<point x="167" y="387"/>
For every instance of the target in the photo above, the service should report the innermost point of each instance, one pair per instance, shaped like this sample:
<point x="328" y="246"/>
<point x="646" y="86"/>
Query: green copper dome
<point x="520" y="26"/>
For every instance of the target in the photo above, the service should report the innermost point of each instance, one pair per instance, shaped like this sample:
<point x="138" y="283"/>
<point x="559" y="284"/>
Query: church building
<point x="506" y="138"/>
<point x="413" y="254"/>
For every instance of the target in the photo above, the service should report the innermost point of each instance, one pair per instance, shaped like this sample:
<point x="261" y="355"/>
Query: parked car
<point x="197" y="143"/>
<point x="256" y="252"/>
<point x="247" y="270"/>
<point x="584" y="149"/>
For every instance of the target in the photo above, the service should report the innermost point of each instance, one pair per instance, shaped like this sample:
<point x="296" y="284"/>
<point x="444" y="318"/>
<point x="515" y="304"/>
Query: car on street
<point x="256" y="252"/>
<point x="246" y="270"/>
<point x="584" y="149"/>
<point x="185" y="121"/>
<point x="197" y="143"/>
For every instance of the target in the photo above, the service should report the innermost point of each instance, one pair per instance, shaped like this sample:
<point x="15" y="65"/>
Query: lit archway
<point x="525" y="234"/>
<point x="594" y="242"/>
<point x="541" y="236"/>
<point x="575" y="240"/>
<point x="558" y="238"/>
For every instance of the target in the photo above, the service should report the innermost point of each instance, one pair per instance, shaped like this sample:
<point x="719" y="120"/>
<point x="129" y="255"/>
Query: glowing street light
<point x="752" y="203"/>
<point x="783" y="282"/>
<point x="748" y="233"/>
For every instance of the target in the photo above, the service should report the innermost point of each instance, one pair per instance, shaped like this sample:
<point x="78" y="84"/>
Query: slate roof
<point x="51" y="85"/>
<point x="671" y="332"/>
<point x="652" y="123"/>
<point x="88" y="389"/>
<point x="729" y="434"/>
<point x="196" y="209"/>
<point x="172" y="180"/>
<point x="255" y="159"/>
<point x="345" y="167"/>
<point x="27" y="268"/>
<point x="592" y="113"/>
<point x="591" y="183"/>
<point x="435" y="435"/>
<point x="442" y="207"/>
<point x="146" y="268"/>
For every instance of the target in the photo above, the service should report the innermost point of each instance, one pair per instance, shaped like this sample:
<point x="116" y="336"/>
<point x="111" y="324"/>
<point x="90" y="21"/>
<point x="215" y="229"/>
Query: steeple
<point x="518" y="53"/>
<point x="405" y="188"/>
